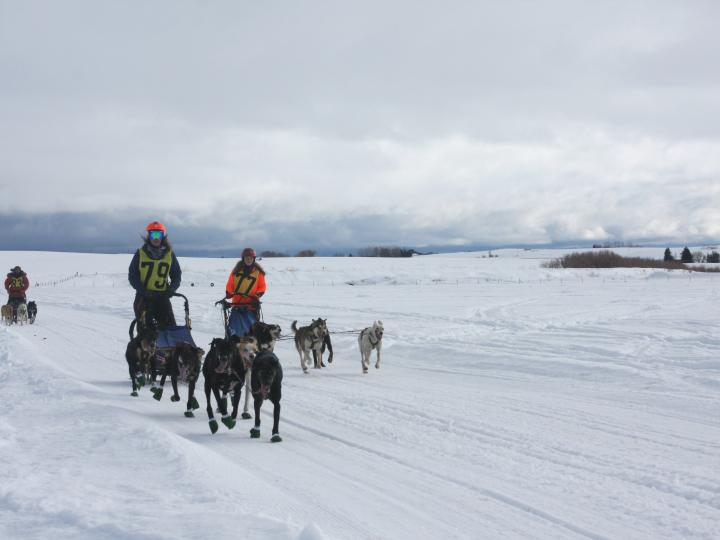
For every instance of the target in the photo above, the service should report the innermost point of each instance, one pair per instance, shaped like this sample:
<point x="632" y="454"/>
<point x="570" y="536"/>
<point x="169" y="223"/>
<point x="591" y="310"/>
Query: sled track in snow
<point x="516" y="504"/>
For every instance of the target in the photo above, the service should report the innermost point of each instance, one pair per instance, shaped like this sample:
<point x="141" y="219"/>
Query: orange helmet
<point x="248" y="251"/>
<point x="156" y="226"/>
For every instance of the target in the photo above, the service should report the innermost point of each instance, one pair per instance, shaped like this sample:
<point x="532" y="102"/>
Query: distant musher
<point x="16" y="284"/>
<point x="155" y="274"/>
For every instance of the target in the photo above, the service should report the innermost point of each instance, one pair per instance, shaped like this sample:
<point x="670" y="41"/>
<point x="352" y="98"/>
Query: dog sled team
<point x="244" y="357"/>
<point x="18" y="310"/>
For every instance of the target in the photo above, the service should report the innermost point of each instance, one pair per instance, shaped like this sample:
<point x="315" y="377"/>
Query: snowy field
<point x="512" y="401"/>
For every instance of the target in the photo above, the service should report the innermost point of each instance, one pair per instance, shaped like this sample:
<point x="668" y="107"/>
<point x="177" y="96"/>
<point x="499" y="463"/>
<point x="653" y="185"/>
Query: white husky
<point x="370" y="338"/>
<point x="22" y="314"/>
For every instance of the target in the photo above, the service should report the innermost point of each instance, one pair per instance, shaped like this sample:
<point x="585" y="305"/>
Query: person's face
<point x="248" y="260"/>
<point x="156" y="238"/>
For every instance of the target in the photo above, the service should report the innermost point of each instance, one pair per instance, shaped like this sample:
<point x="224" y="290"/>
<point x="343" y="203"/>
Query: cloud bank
<point x="309" y="125"/>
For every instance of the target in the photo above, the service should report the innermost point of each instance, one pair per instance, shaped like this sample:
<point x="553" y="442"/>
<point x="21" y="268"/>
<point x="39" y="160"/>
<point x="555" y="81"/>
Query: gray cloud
<point x="404" y="122"/>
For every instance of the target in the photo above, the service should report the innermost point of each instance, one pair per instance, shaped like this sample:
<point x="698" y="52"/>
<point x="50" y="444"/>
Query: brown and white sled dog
<point x="310" y="338"/>
<point x="370" y="338"/>
<point x="7" y="314"/>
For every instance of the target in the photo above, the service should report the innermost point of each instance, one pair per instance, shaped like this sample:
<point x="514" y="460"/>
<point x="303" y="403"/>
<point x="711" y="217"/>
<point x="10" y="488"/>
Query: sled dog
<point x="266" y="383"/>
<point x="7" y="314"/>
<point x="226" y="368"/>
<point x="310" y="338"/>
<point x="32" y="311"/>
<point x="139" y="354"/>
<point x="370" y="338"/>
<point x="266" y="335"/>
<point x="184" y="363"/>
<point x="22" y="314"/>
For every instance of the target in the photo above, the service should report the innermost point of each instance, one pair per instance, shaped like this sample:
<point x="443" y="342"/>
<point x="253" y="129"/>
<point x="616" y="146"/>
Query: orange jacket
<point x="246" y="286"/>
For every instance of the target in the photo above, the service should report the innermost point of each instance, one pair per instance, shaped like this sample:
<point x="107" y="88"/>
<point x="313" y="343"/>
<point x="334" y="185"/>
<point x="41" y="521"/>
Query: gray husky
<point x="310" y="338"/>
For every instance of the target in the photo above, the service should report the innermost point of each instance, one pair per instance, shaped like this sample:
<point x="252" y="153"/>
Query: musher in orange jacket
<point x="245" y="286"/>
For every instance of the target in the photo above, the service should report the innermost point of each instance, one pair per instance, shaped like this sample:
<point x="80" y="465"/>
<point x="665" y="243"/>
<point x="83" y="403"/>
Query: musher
<point x="16" y="284"/>
<point x="245" y="286"/>
<point x="155" y="275"/>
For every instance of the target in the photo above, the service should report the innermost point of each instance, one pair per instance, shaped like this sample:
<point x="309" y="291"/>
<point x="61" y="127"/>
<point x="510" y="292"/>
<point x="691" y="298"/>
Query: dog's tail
<point x="132" y="329"/>
<point x="293" y="327"/>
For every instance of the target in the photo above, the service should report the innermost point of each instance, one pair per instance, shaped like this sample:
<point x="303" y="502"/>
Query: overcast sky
<point x="320" y="124"/>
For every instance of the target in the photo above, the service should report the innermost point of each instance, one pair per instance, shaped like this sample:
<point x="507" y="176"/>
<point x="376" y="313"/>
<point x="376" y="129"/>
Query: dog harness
<point x="370" y="334"/>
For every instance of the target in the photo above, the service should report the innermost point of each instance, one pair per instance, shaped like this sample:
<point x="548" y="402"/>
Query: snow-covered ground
<point x="513" y="401"/>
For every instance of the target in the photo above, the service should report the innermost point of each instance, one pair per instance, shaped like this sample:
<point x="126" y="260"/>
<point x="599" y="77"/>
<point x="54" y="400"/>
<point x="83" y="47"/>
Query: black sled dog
<point x="184" y="363"/>
<point x="32" y="311"/>
<point x="225" y="369"/>
<point x="266" y="383"/>
<point x="139" y="354"/>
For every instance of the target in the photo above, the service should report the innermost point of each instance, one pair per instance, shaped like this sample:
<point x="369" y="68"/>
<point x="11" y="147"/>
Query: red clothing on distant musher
<point x="16" y="284"/>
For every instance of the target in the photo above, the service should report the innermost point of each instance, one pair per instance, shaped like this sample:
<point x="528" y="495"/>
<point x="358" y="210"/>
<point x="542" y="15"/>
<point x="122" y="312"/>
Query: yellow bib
<point x="154" y="272"/>
<point x="245" y="284"/>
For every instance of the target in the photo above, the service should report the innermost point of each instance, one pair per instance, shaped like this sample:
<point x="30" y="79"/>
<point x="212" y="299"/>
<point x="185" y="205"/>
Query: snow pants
<point x="241" y="321"/>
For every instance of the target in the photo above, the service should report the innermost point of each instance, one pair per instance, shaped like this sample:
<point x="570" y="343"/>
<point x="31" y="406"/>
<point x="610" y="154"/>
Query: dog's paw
<point x="246" y="416"/>
<point x="189" y="414"/>
<point x="194" y="405"/>
<point x="276" y="438"/>
<point x="175" y="398"/>
<point x="134" y="394"/>
<point x="255" y="433"/>
<point x="377" y="366"/>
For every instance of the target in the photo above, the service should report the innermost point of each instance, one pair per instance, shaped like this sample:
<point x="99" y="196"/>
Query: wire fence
<point x="117" y="280"/>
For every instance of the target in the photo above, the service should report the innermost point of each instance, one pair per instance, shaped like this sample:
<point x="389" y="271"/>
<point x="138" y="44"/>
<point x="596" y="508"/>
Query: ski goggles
<point x="155" y="235"/>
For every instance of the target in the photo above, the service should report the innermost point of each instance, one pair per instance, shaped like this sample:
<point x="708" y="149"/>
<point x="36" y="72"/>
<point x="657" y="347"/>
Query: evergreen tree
<point x="668" y="255"/>
<point x="686" y="256"/>
<point x="713" y="257"/>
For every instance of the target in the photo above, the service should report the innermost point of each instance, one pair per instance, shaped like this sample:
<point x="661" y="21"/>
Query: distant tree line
<point x="610" y="259"/>
<point x="608" y="245"/>
<point x="386" y="251"/>
<point x="302" y="253"/>
<point x="686" y="256"/>
<point x="373" y="251"/>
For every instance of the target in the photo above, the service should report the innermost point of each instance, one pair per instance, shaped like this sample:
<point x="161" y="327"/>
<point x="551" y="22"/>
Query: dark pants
<point x="15" y="302"/>
<point x="154" y="306"/>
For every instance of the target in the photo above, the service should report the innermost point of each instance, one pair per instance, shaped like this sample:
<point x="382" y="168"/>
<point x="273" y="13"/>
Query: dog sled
<point x="169" y="339"/>
<point x="165" y="341"/>
<point x="171" y="352"/>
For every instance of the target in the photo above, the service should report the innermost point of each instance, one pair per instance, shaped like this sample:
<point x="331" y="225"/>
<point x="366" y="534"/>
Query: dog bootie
<point x="189" y="414"/>
<point x="255" y="433"/>
<point x="213" y="426"/>
<point x="134" y="394"/>
<point x="276" y="438"/>
<point x="194" y="405"/>
<point x="175" y="398"/>
<point x="246" y="415"/>
<point x="157" y="393"/>
<point x="229" y="421"/>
